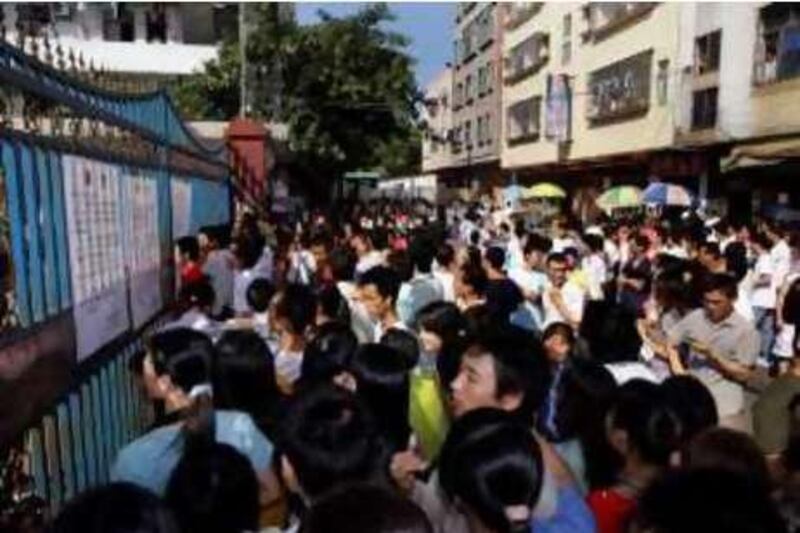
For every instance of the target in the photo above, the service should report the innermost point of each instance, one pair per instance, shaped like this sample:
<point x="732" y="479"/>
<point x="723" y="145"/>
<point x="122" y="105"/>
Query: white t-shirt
<point x="764" y="296"/>
<point x="219" y="268"/>
<point x="288" y="365"/>
<point x="784" y="340"/>
<point x="781" y="256"/>
<point x="574" y="299"/>
<point x="448" y="281"/>
<point x="562" y="243"/>
<point x="596" y="272"/>
<point x="744" y="304"/>
<point x="241" y="281"/>
<point x="372" y="259"/>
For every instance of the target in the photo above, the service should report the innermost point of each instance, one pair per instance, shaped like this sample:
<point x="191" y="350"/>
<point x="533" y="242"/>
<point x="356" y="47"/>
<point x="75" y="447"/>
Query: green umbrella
<point x="620" y="197"/>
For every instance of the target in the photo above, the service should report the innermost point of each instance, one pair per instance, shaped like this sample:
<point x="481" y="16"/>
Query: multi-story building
<point x="476" y="98"/>
<point x="692" y="93"/>
<point x="438" y="118"/>
<point x="144" y="38"/>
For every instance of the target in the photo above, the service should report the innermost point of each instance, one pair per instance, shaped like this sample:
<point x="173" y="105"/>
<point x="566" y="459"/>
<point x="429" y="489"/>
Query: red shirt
<point x="190" y="273"/>
<point x="612" y="510"/>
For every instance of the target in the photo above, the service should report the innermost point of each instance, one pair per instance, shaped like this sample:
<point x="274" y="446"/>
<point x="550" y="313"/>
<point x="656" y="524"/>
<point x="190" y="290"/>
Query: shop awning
<point x="761" y="154"/>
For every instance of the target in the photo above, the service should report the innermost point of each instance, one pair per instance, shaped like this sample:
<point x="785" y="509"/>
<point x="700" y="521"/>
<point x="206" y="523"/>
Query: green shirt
<point x="771" y="414"/>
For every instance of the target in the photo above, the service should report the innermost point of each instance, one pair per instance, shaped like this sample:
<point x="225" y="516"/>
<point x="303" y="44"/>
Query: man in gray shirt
<point x="722" y="346"/>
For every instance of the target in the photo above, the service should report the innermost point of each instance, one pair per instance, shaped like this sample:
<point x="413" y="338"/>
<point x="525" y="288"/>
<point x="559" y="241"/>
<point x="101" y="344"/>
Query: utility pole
<point x="243" y="60"/>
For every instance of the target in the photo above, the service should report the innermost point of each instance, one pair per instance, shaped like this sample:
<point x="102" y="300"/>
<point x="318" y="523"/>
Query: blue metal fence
<point x="68" y="411"/>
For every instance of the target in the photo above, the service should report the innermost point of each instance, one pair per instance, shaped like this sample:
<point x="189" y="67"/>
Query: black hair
<point x="736" y="260"/>
<point x="342" y="261"/>
<point x="537" y="243"/>
<point x="382" y="377"/>
<point x="259" y="294"/>
<point x="556" y="257"/>
<point x="188" y="246"/>
<point x="248" y="250"/>
<point x="386" y="281"/>
<point x="475" y="277"/>
<point x="244" y="377"/>
<point x="211" y="232"/>
<point x="298" y="305"/>
<point x="445" y="255"/>
<point x="726" y="449"/>
<point x="594" y="242"/>
<point x="760" y="238"/>
<point x="404" y="342"/>
<point x="362" y="508"/>
<point x="562" y="329"/>
<point x="115" y="508"/>
<point x="333" y="305"/>
<point x="214" y="490"/>
<point x="184" y="354"/>
<point x="583" y="396"/>
<point x="519" y="365"/>
<point x="380" y="238"/>
<point x="723" y="283"/>
<point x="445" y="320"/>
<point x="329" y="353"/>
<point x="489" y="463"/>
<point x="711" y="248"/>
<point x="692" y="402"/>
<point x="198" y="293"/>
<point x="422" y="253"/>
<point x="329" y="438"/>
<point x="496" y="257"/>
<point x="400" y="262"/>
<point x="706" y="500"/>
<point x="653" y="429"/>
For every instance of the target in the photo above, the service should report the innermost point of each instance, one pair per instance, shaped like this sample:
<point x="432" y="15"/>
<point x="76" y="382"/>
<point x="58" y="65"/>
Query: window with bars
<point x="527" y="57"/>
<point x="778" y="45"/>
<point x="704" y="108"/>
<point x="523" y="120"/>
<point x="707" y="53"/>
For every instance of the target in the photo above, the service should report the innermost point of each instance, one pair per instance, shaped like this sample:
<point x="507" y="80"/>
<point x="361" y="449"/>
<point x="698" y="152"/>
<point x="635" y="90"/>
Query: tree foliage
<point x="345" y="87"/>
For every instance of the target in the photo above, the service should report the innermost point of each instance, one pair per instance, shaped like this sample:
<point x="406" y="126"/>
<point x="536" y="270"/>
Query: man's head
<point x="445" y="256"/>
<point x="557" y="268"/>
<point x="471" y="281"/>
<point x="536" y="249"/>
<point x="494" y="259"/>
<point x="361" y="242"/>
<point x="422" y="253"/>
<point x="504" y="369"/>
<point x="719" y="296"/>
<point x="709" y="255"/>
<point x="319" y="247"/>
<point x="379" y="287"/>
<point x="187" y="249"/>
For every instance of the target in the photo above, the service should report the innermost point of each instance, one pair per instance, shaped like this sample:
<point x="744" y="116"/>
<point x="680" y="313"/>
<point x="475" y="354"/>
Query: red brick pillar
<point x="247" y="143"/>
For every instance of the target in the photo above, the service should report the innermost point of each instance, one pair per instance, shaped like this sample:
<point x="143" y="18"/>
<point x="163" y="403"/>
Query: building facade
<point x="476" y="94"/>
<point x="131" y="38"/>
<point x="702" y="94"/>
<point x="438" y="119"/>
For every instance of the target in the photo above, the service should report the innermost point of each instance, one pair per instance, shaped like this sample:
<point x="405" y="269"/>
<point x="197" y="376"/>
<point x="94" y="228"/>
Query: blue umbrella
<point x="667" y="194"/>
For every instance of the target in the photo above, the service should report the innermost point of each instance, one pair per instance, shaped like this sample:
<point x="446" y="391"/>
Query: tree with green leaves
<point x="344" y="86"/>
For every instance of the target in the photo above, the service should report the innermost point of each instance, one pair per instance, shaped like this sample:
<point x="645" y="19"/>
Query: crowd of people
<point x="400" y="368"/>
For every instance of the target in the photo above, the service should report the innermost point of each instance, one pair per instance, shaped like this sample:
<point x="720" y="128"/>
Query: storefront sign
<point x="620" y="90"/>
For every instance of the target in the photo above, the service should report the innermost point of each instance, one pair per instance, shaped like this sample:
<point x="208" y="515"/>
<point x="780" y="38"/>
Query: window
<point x="489" y="77"/>
<point x="458" y="96"/>
<point x="523" y="121"/>
<point x="481" y="80"/>
<point x="607" y="17"/>
<point x="706" y="53"/>
<point x="118" y="23"/>
<point x="662" y="81"/>
<point x="620" y="90"/>
<point x="156" y="24"/>
<point x="468" y="134"/>
<point x="487" y="129"/>
<point x="778" y="46"/>
<point x="457" y="53"/>
<point x="527" y="57"/>
<point x="704" y="109"/>
<point x="566" y="44"/>
<point x="468" y="89"/>
<point x="479" y="133"/>
<point x="456" y="146"/>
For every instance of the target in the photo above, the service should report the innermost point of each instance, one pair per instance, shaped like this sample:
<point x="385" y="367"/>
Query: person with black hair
<point x="729" y="450"/>
<point x="594" y="266"/>
<point x="737" y="265"/>
<point x="764" y="294"/>
<point x="722" y="346"/>
<point x="187" y="260"/>
<point x="645" y="433"/>
<point x="328" y="438"/>
<point x="183" y="361"/>
<point x="710" y="257"/>
<point x="342" y="261"/>
<point x="367" y="257"/>
<point x="423" y="287"/>
<point x="633" y="281"/>
<point x="214" y="489"/>
<point x="362" y="508"/>
<point x="328" y="354"/>
<point x="295" y="311"/>
<point x="471" y="284"/>
<point x="378" y="288"/>
<point x="445" y="270"/>
<point x="706" y="500"/>
<point x="563" y="300"/>
<point x="493" y="467"/>
<point x="331" y="306"/>
<point x="115" y="508"/>
<point x="247" y="252"/>
<point x="243" y="378"/>
<point x="503" y="296"/>
<point x="692" y="402"/>
<point x="381" y="379"/>
<point x="218" y="265"/>
<point x="197" y="300"/>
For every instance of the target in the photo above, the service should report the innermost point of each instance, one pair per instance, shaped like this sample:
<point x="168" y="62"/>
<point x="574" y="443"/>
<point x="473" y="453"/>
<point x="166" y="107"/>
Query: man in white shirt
<point x="367" y="256"/>
<point x="764" y="294"/>
<point x="378" y="290"/>
<point x="444" y="270"/>
<point x="219" y="267"/>
<point x="563" y="301"/>
<point x="531" y="278"/>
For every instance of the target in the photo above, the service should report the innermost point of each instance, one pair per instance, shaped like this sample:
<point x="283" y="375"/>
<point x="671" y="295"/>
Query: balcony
<point x="517" y="13"/>
<point x="607" y="18"/>
<point x="778" y="45"/>
<point x="527" y="58"/>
